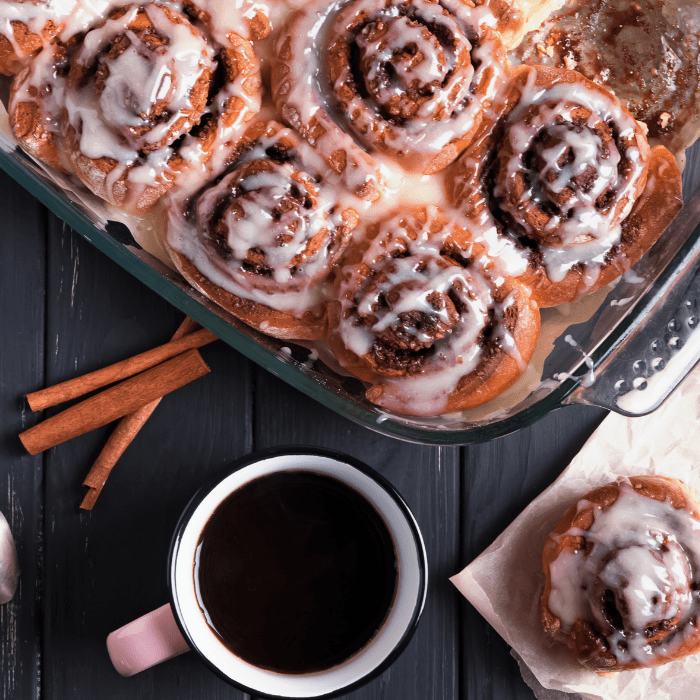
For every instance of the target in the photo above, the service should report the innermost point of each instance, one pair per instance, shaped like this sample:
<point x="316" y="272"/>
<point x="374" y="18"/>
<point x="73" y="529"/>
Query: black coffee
<point x="296" y="572"/>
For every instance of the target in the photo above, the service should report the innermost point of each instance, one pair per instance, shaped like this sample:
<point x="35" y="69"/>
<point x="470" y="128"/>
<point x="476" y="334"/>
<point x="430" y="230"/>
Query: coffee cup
<point x="367" y="560"/>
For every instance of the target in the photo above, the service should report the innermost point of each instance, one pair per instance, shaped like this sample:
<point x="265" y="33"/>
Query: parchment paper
<point x="506" y="581"/>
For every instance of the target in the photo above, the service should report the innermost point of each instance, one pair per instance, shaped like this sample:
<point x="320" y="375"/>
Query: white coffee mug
<point x="180" y="625"/>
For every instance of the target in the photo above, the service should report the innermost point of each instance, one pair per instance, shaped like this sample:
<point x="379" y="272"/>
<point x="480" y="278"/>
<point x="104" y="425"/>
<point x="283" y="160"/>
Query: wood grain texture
<point x="123" y="435"/>
<point x="107" y="567"/>
<point x="22" y="252"/>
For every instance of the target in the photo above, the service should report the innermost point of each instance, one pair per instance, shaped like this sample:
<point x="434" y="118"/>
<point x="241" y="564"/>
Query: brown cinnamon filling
<point x="536" y="192"/>
<point x="588" y="643"/>
<point x="379" y="77"/>
<point x="288" y="213"/>
<point x="405" y="345"/>
<point x="384" y="71"/>
<point x="410" y="341"/>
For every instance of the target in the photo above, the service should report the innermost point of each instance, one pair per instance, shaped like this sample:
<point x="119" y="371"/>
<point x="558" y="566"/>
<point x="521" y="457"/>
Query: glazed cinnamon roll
<point x="565" y="173"/>
<point x="144" y="96"/>
<point x="421" y="316"/>
<point x="406" y="78"/>
<point x="622" y="575"/>
<point x="261" y="239"/>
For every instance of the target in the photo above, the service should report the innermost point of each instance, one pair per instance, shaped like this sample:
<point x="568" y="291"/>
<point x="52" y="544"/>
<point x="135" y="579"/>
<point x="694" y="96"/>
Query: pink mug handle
<point x="145" y="642"/>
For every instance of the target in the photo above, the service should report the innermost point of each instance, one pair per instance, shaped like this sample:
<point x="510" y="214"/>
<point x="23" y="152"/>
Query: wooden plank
<point x="428" y="479"/>
<point x="22" y="287"/>
<point x="107" y="567"/>
<point x="499" y="479"/>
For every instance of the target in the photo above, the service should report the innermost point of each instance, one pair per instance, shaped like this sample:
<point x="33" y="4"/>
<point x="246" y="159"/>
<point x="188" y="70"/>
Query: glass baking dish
<point x="624" y="348"/>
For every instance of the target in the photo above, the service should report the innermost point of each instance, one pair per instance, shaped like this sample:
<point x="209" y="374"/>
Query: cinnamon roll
<point x="144" y="96"/>
<point x="421" y="316"/>
<point x="622" y="575"/>
<point x="262" y="238"/>
<point x="406" y="78"/>
<point x="565" y="173"/>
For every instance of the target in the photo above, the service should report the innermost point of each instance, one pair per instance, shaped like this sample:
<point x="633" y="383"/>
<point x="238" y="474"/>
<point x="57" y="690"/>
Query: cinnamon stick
<point x="115" y="402"/>
<point x="73" y="388"/>
<point x="123" y="435"/>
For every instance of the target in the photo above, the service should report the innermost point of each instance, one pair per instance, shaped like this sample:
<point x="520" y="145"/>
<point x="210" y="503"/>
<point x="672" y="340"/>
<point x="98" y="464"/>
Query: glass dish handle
<point x="655" y="356"/>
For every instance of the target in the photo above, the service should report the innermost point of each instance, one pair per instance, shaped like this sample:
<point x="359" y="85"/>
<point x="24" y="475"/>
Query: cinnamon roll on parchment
<point x="144" y="96"/>
<point x="564" y="174"/>
<point x="406" y="78"/>
<point x="421" y="315"/>
<point x="622" y="575"/>
<point x="262" y="237"/>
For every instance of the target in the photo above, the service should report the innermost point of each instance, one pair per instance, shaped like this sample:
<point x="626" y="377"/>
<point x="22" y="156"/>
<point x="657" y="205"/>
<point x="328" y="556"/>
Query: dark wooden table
<point x="66" y="309"/>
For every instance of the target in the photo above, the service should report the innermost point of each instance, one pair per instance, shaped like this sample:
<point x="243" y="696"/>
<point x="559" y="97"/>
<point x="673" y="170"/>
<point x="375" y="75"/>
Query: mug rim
<point x="297" y="450"/>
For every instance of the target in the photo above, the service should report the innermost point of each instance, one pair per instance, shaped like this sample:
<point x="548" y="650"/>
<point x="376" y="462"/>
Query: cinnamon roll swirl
<point x="407" y="78"/>
<point x="421" y="316"/>
<point x="144" y="96"/>
<point x="261" y="239"/>
<point x="565" y="173"/>
<point x="622" y="574"/>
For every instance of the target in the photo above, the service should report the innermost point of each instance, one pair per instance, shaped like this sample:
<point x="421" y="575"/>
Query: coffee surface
<point x="295" y="572"/>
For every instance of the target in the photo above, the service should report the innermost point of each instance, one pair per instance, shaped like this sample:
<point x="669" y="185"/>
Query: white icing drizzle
<point x="648" y="554"/>
<point x="296" y="89"/>
<point x="42" y="80"/>
<point x="118" y="122"/>
<point x="75" y="16"/>
<point x="577" y="231"/>
<point x="233" y="16"/>
<point x="446" y="72"/>
<point x="589" y="378"/>
<point x="286" y="214"/>
<point x="405" y="272"/>
<point x="586" y="232"/>
<point x="427" y="66"/>
<point x="72" y="14"/>
<point x="430" y="66"/>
